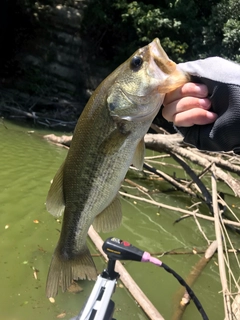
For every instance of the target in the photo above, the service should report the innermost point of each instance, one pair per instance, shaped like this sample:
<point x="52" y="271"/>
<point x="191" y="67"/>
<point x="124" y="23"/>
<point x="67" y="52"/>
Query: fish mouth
<point x="157" y="50"/>
<point x="162" y="66"/>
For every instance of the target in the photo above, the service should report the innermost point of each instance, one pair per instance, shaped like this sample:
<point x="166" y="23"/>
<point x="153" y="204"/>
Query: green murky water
<point x="28" y="163"/>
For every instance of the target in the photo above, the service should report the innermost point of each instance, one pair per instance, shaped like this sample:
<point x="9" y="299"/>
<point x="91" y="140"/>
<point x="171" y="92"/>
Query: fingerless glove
<point x="222" y="77"/>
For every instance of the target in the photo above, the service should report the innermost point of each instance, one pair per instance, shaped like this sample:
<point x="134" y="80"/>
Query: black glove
<point x="222" y="77"/>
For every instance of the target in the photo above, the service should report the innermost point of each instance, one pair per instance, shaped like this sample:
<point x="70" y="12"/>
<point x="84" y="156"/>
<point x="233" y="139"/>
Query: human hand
<point x="188" y="105"/>
<point x="214" y="126"/>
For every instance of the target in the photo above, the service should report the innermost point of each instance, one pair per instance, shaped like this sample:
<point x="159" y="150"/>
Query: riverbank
<point x="49" y="76"/>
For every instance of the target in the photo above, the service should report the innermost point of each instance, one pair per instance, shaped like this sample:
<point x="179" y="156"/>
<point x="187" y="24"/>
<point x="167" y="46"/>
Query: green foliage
<point x="150" y="22"/>
<point x="221" y="34"/>
<point x="118" y="28"/>
<point x="187" y="29"/>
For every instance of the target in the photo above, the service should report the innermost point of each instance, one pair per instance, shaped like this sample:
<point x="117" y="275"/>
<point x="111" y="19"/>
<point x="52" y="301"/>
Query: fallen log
<point x="62" y="140"/>
<point x="166" y="143"/>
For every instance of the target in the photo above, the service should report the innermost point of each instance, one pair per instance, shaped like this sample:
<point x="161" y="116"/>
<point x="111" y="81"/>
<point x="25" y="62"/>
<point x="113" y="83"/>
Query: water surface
<point x="29" y="235"/>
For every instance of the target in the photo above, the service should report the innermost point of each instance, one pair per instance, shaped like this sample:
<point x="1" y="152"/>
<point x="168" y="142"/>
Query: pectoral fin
<point x="138" y="157"/>
<point x="114" y="141"/>
<point x="55" y="203"/>
<point x="110" y="218"/>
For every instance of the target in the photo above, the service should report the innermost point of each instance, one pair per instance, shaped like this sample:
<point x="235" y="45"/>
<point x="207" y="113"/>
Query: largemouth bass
<point x="108" y="138"/>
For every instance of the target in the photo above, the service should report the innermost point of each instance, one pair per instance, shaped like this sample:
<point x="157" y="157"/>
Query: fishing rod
<point x="99" y="305"/>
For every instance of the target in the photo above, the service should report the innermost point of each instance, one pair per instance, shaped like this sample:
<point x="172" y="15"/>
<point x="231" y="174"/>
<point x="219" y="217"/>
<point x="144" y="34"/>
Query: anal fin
<point x="110" y="218"/>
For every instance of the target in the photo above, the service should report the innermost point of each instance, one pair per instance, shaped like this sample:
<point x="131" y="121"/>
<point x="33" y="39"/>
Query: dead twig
<point x="171" y="208"/>
<point x="158" y="142"/>
<point x="221" y="263"/>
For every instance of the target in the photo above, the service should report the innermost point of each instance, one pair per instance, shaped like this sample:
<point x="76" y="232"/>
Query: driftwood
<point x="64" y="141"/>
<point x="191" y="279"/>
<point x="164" y="143"/>
<point x="222" y="167"/>
<point x="48" y="112"/>
<point x="173" y="145"/>
<point x="221" y="262"/>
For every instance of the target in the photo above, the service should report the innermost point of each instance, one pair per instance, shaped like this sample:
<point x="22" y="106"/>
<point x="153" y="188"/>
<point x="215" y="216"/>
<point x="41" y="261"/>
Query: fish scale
<point x="108" y="138"/>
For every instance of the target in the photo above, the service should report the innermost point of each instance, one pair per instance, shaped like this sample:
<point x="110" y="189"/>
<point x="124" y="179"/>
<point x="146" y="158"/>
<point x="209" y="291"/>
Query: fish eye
<point x="136" y="62"/>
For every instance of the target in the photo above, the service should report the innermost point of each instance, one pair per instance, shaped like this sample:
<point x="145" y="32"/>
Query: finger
<point x="169" y="111"/>
<point x="188" y="89"/>
<point x="194" y="116"/>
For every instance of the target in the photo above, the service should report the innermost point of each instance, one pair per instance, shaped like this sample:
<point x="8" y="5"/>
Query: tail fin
<point x="62" y="271"/>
